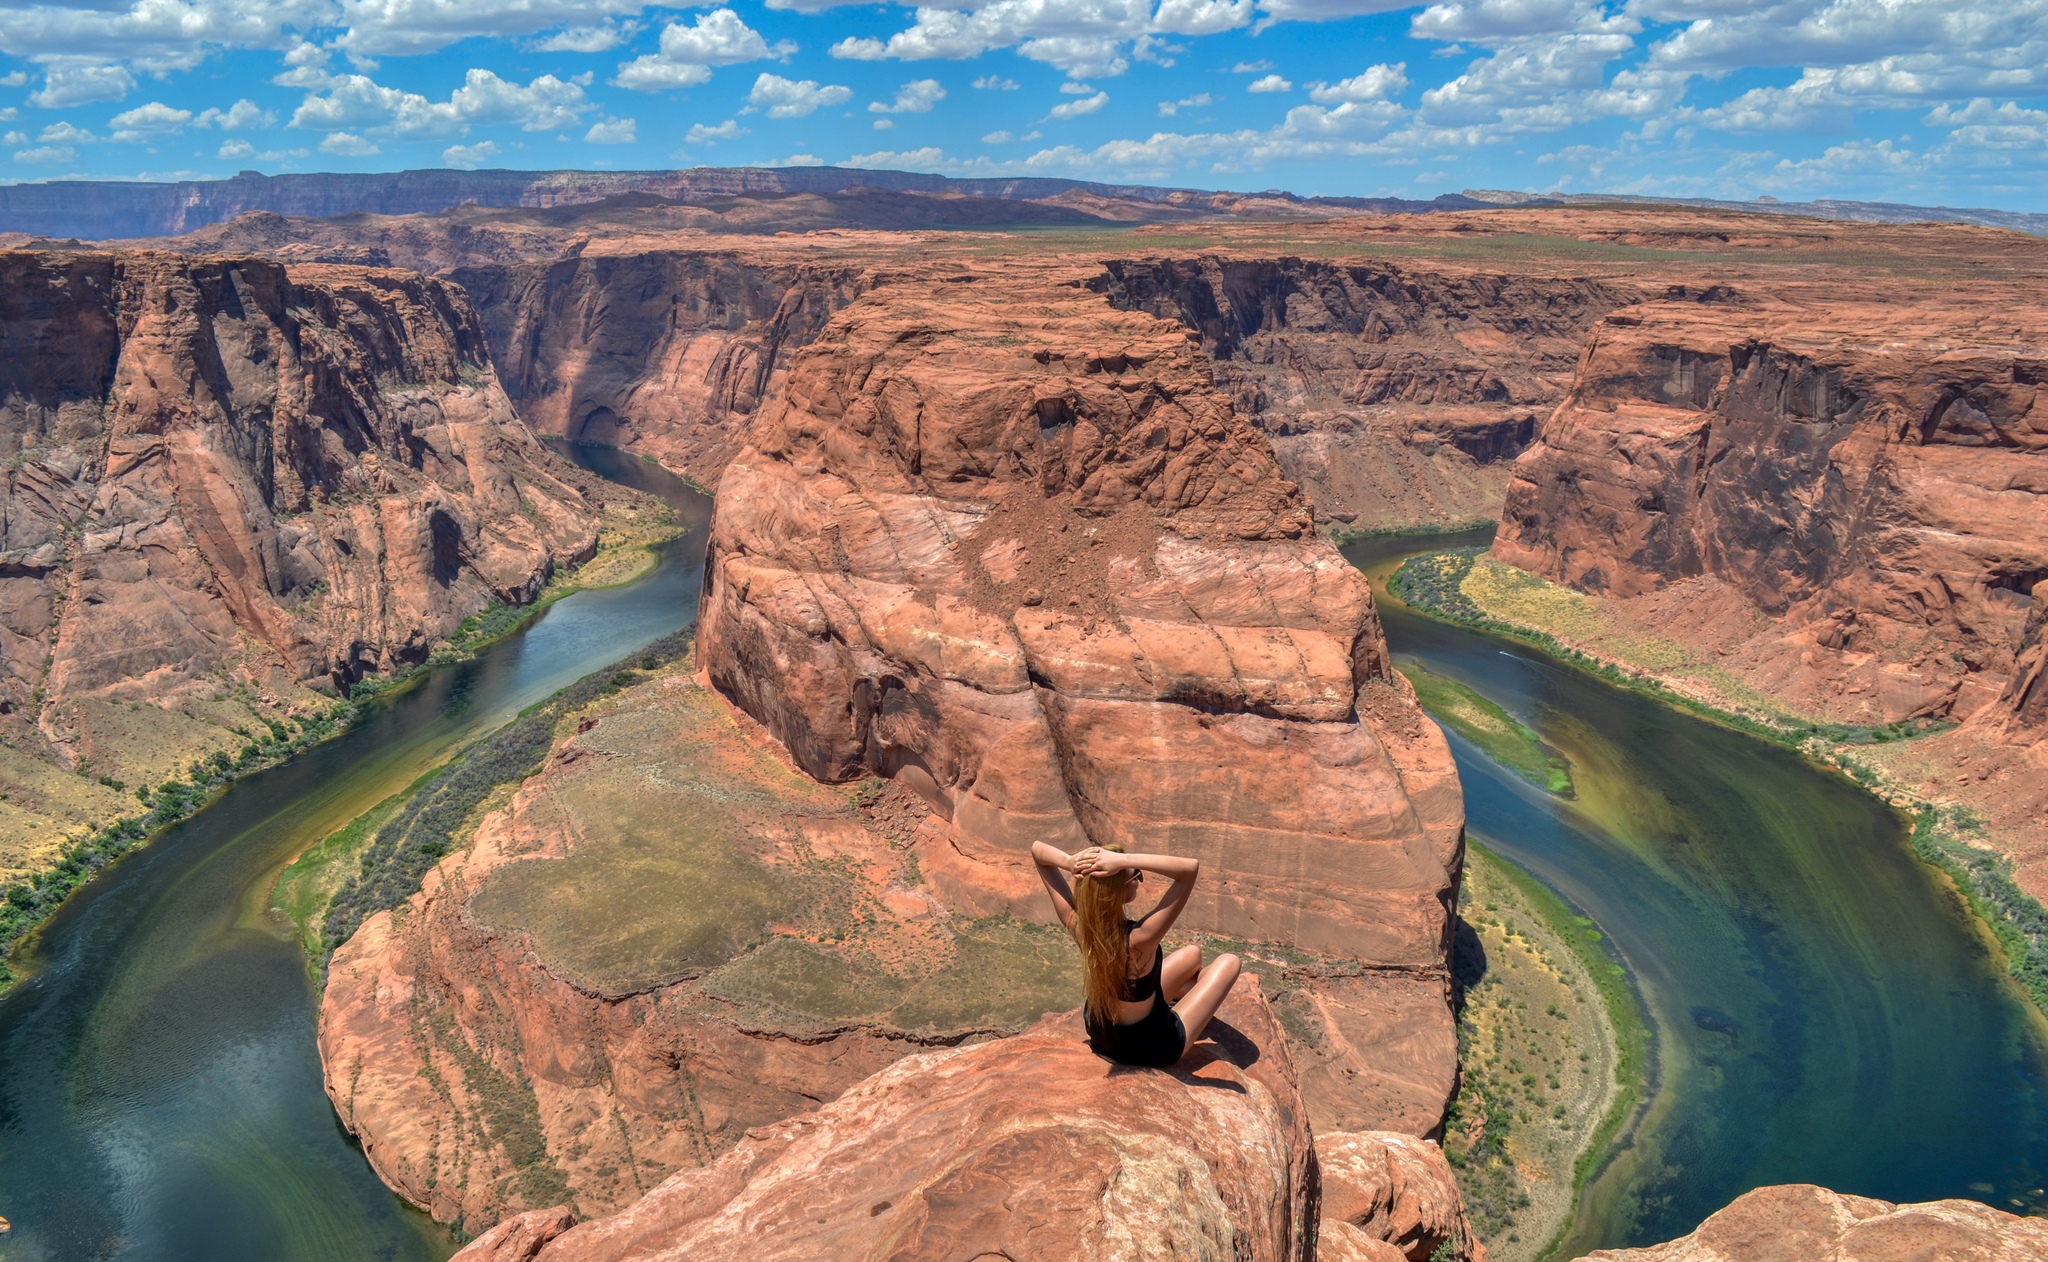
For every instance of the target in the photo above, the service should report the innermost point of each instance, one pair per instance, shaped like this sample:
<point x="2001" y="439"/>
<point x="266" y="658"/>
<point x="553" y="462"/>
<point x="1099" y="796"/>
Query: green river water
<point x="1823" y="1010"/>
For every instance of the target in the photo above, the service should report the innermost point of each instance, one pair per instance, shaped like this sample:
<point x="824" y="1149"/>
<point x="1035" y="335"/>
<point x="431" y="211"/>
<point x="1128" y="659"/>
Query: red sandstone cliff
<point x="1395" y="395"/>
<point x="1803" y="1221"/>
<point x="1009" y="547"/>
<point x="666" y="351"/>
<point x="1870" y="475"/>
<point x="1192" y="665"/>
<point x="287" y="475"/>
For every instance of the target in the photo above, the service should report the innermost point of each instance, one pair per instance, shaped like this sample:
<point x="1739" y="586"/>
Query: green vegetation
<point x="308" y="884"/>
<point x="414" y="839"/>
<point x="27" y="903"/>
<point x="1984" y="881"/>
<point x="1549" y="1076"/>
<point x="1491" y="728"/>
<point x="1003" y="973"/>
<point x="625" y="551"/>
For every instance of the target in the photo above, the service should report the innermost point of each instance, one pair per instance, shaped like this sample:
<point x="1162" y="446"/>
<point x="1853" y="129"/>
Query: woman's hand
<point x="1095" y="861"/>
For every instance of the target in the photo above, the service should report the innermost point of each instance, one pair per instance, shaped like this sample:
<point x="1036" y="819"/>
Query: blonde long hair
<point x="1105" y="939"/>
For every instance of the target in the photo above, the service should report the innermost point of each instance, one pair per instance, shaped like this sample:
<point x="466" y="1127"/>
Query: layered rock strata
<point x="1396" y="396"/>
<point x="1802" y="1221"/>
<point x="1874" y="479"/>
<point x="1008" y="547"/>
<point x="227" y="470"/>
<point x="1033" y="1147"/>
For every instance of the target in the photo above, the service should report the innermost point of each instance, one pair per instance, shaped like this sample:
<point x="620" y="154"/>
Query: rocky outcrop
<point x="665" y="352"/>
<point x="1393" y="395"/>
<point x="1033" y="1147"/>
<point x="1802" y="1221"/>
<point x="1869" y="474"/>
<point x="1008" y="547"/>
<point x="226" y="467"/>
<point x="1387" y="1196"/>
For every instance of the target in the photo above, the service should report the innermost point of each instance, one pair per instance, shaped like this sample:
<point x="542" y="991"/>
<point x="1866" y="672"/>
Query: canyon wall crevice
<point x="667" y="352"/>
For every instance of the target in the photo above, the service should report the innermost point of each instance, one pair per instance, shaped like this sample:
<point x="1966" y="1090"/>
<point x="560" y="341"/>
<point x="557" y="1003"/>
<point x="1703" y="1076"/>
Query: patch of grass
<point x="1493" y="729"/>
<point x="426" y="828"/>
<point x="308" y="884"/>
<point x="1003" y="973"/>
<point x="1517" y="596"/>
<point x="646" y="904"/>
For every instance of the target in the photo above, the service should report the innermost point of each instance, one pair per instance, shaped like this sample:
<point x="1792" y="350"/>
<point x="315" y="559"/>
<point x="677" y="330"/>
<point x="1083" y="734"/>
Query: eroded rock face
<point x="1388" y="1195"/>
<point x="1008" y="546"/>
<point x="292" y="475"/>
<point x="667" y="352"/>
<point x="1026" y="1147"/>
<point x="1393" y="395"/>
<point x="1873" y="476"/>
<point x="1799" y="1220"/>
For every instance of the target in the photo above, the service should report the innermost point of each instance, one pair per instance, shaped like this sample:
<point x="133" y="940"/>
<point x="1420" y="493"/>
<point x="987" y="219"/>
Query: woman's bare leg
<point x="1178" y="973"/>
<point x="1206" y="995"/>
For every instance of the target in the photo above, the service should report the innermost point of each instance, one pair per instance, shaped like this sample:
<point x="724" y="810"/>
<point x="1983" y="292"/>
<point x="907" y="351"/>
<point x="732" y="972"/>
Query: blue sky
<point x="1900" y="100"/>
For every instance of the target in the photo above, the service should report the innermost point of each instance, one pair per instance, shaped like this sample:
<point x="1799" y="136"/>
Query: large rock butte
<point x="1010" y="547"/>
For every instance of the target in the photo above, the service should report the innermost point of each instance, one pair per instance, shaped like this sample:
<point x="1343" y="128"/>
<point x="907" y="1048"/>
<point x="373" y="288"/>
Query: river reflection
<point x="160" y="1093"/>
<point x="1825" y="1013"/>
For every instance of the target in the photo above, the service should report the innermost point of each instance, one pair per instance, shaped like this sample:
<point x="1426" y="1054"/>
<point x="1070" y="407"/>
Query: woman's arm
<point x="1053" y="866"/>
<point x="1153" y="925"/>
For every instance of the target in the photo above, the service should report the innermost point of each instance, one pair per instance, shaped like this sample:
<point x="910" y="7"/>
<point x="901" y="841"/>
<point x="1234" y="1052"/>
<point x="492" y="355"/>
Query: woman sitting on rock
<point x="1143" y="1006"/>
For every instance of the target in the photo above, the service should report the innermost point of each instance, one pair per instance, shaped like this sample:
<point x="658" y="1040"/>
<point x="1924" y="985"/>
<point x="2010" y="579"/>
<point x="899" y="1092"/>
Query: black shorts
<point x="1154" y="1041"/>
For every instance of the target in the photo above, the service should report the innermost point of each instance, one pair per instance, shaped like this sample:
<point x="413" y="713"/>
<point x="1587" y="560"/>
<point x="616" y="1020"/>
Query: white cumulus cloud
<point x="794" y="98"/>
<point x="718" y="38"/>
<point x="1086" y="105"/>
<point x="1167" y="109"/>
<point x="469" y="157"/>
<point x="612" y="131"/>
<point x="67" y="85"/>
<point x="243" y="115"/>
<point x="147" y="121"/>
<point x="349" y="145"/>
<point x="1270" y="83"/>
<point x="356" y="101"/>
<point x="730" y="129"/>
<point x="1374" y="84"/>
<point x="916" y="97"/>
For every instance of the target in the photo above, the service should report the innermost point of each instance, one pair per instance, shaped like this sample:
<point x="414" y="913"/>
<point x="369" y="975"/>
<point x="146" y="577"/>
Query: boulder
<point x="1388" y="1191"/>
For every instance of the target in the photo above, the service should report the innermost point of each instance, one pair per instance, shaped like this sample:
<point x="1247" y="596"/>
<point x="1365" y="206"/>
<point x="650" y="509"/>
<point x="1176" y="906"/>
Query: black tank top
<point x="1139" y="989"/>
